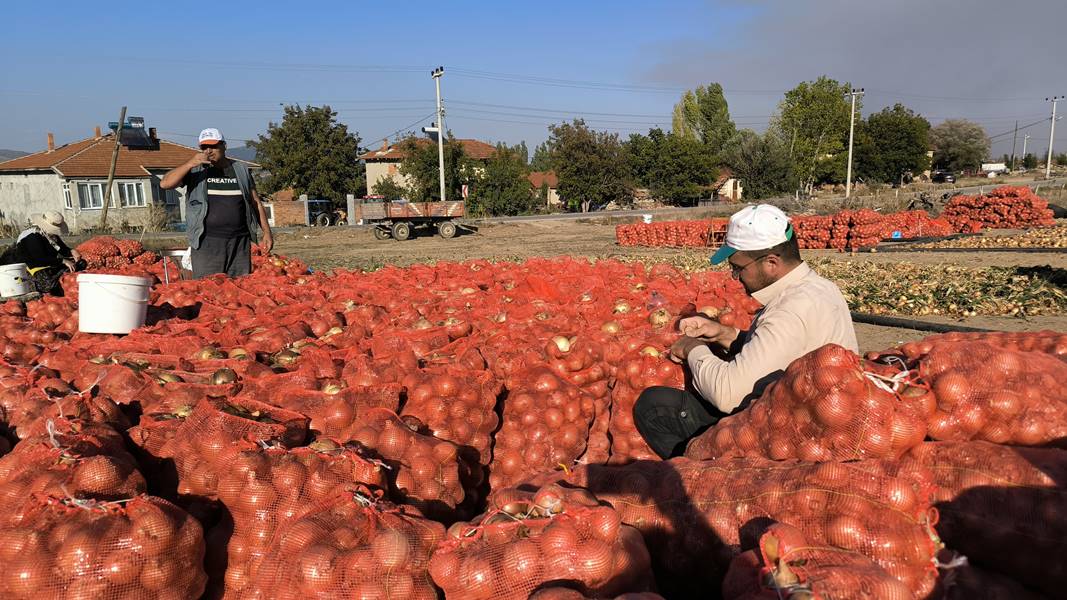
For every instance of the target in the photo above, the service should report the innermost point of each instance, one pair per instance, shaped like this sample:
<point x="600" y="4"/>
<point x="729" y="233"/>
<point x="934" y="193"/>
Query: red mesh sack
<point x="266" y="488"/>
<point x="827" y="406"/>
<point x="987" y="393"/>
<point x="580" y="360"/>
<point x="694" y="515"/>
<point x="638" y="370"/>
<point x="1004" y="508"/>
<point x="425" y="472"/>
<point x="205" y="443"/>
<point x="1049" y="342"/>
<point x="351" y="547"/>
<point x="335" y="410"/>
<point x="546" y="424"/>
<point x="457" y="406"/>
<point x="551" y="535"/>
<point x="144" y="549"/>
<point x="48" y="402"/>
<point x="787" y="566"/>
<point x="82" y="460"/>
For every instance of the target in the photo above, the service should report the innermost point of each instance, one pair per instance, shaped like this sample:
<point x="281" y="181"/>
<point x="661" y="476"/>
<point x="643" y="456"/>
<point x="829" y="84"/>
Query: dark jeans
<point x="668" y="418"/>
<point x="232" y="256"/>
<point x="46" y="281"/>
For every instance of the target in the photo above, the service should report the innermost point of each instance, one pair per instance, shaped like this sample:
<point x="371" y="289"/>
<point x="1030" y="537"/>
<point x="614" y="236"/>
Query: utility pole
<point x="111" y="170"/>
<point x="436" y="74"/>
<point x="1014" y="139"/>
<point x="851" y="132"/>
<point x="1051" y="134"/>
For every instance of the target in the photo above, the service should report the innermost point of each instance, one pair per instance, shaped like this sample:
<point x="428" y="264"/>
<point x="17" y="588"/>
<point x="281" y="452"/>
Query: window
<point x="90" y="195"/>
<point x="67" y="201"/>
<point x="131" y="194"/>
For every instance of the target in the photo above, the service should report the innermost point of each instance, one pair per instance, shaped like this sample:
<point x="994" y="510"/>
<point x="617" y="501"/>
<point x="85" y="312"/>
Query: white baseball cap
<point x="211" y="137"/>
<point x="757" y="227"/>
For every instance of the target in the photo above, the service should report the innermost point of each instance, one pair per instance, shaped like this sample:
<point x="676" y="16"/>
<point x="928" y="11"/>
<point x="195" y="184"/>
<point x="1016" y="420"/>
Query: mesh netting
<point x="143" y="549"/>
<point x="827" y="406"/>
<point x="694" y="515"/>
<point x="638" y="370"/>
<point x="350" y="547"/>
<point x="266" y="488"/>
<point x="1004" y="508"/>
<point x="546" y="424"/>
<point x="457" y="405"/>
<point x="335" y="410"/>
<point x="787" y="566"/>
<point x="534" y="538"/>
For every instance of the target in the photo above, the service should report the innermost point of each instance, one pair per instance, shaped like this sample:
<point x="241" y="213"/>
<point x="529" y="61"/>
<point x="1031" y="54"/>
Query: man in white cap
<point x="801" y="312"/>
<point x="223" y="211"/>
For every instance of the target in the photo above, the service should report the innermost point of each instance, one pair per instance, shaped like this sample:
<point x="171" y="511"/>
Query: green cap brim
<point x="722" y="254"/>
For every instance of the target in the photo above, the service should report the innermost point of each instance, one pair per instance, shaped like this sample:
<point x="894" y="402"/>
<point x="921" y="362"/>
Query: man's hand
<point x="75" y="255"/>
<point x="69" y="264"/>
<point x="708" y="330"/>
<point x="199" y="159"/>
<point x="681" y="348"/>
<point x="266" y="243"/>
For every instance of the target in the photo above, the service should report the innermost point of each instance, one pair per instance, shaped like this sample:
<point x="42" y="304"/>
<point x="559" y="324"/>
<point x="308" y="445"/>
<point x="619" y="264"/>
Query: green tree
<point x="502" y="188"/>
<point x="814" y="120"/>
<point x="676" y="169"/>
<point x="590" y="165"/>
<point x="523" y="152"/>
<point x="959" y="145"/>
<point x="761" y="163"/>
<point x="420" y="166"/>
<point x="542" y="158"/>
<point x="312" y="153"/>
<point x="1060" y="159"/>
<point x="891" y="143"/>
<point x="1029" y="161"/>
<point x="703" y="115"/>
<point x="390" y="189"/>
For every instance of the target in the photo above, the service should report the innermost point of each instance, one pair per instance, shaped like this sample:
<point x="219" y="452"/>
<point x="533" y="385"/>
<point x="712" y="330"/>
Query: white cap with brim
<point x="754" y="228"/>
<point x="51" y="222"/>
<point x="211" y="137"/>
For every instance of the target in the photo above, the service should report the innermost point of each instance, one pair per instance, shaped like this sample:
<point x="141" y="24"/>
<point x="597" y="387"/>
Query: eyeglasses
<point x="209" y="146"/>
<point x="737" y="270"/>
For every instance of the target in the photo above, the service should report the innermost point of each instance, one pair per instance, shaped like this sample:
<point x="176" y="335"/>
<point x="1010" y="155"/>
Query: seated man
<point x="801" y="312"/>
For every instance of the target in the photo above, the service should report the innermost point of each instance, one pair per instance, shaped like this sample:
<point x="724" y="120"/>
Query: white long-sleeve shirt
<point x="801" y="312"/>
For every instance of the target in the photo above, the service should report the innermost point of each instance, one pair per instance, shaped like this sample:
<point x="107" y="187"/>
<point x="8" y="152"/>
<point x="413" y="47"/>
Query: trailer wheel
<point x="401" y="231"/>
<point x="381" y="232"/>
<point x="447" y="229"/>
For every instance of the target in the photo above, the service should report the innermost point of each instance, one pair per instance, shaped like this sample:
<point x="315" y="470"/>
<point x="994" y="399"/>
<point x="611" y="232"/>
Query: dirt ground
<point x="356" y="248"/>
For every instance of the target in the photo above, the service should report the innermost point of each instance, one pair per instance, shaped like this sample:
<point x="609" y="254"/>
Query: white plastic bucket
<point x="647" y="218"/>
<point x="111" y="303"/>
<point x="14" y="280"/>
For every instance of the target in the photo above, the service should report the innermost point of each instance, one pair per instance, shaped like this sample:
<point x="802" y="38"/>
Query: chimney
<point x="51" y="142"/>
<point x="97" y="131"/>
<point x="385" y="145"/>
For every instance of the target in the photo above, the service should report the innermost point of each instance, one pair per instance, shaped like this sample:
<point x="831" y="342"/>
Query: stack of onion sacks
<point x="580" y="360"/>
<point x="528" y="539"/>
<point x="457" y="405"/>
<point x="638" y="370"/>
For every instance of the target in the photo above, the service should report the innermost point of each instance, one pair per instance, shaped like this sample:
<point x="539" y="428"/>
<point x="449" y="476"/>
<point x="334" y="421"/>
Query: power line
<point x="405" y="127"/>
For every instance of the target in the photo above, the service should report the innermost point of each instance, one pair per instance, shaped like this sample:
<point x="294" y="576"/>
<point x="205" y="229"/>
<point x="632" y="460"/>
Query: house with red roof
<point x="385" y="162"/>
<point x="547" y="183"/>
<point x="71" y="179"/>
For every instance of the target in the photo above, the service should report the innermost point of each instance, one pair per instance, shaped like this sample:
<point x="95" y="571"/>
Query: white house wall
<point x="24" y="195"/>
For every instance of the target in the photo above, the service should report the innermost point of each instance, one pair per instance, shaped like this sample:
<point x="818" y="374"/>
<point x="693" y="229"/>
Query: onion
<point x="208" y="353"/>
<point x="224" y="376"/>
<point x="611" y="327"/>
<point x="563" y="343"/>
<point x="238" y="353"/>
<point x="621" y="306"/>
<point x="659" y="318"/>
<point x="650" y="351"/>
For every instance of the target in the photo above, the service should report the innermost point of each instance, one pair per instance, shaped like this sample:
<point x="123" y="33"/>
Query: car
<point x="942" y="176"/>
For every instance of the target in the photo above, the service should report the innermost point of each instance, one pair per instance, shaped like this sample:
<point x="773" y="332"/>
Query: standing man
<point x="223" y="211"/>
<point x="801" y="312"/>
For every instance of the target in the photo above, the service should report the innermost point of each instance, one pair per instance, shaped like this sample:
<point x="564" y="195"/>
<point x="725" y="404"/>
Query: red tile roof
<point x="92" y="158"/>
<point x="725" y="175"/>
<point x="472" y="148"/>
<point x="539" y="177"/>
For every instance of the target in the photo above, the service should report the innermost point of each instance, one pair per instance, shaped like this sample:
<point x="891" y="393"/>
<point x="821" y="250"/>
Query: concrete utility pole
<point x="1051" y="134"/>
<point x="436" y="74"/>
<point x="1014" y="139"/>
<point x="111" y="170"/>
<point x="1026" y="139"/>
<point x="851" y="132"/>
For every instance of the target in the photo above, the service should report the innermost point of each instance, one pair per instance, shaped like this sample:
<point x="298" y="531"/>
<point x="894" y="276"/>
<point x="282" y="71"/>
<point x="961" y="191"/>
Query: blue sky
<point x="512" y="68"/>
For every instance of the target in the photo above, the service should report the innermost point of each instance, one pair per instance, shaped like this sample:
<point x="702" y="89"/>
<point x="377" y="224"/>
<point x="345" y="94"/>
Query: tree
<point x="959" y="145"/>
<point x="761" y="163"/>
<point x="420" y="167"/>
<point x="502" y="188"/>
<point x="312" y="153"/>
<point x="814" y="120"/>
<point x="1029" y="161"/>
<point x="703" y="115"/>
<point x="542" y="158"/>
<point x="389" y="189"/>
<point x="590" y="165"/>
<point x="523" y="153"/>
<point x="675" y="168"/>
<point x="890" y="144"/>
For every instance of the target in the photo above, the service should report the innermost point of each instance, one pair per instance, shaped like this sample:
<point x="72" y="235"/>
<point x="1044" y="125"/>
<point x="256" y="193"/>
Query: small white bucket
<point x="14" y="280"/>
<point x="647" y="218"/>
<point x="111" y="303"/>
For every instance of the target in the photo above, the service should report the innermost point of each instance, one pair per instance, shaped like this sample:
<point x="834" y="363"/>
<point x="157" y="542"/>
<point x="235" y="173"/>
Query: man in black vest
<point x="224" y="213"/>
